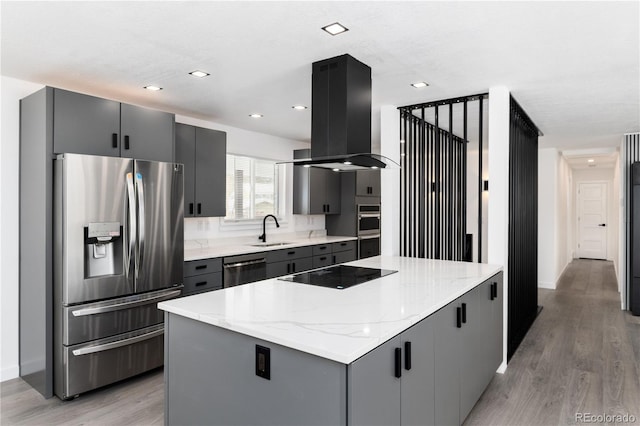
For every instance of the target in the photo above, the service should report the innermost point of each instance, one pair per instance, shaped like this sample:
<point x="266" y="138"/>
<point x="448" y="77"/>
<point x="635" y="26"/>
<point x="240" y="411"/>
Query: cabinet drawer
<point x="343" y="246"/>
<point x="288" y="254"/>
<point x="204" y="266"/>
<point x="322" y="249"/>
<point x="204" y="282"/>
<point x="287" y="267"/>
<point x="322" y="260"/>
<point x="344" y="256"/>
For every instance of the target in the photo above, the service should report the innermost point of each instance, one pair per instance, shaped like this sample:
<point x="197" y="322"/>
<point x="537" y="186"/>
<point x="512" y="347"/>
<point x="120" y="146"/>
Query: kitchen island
<point x="414" y="347"/>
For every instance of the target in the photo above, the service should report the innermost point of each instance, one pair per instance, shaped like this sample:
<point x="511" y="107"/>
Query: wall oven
<point x="368" y="230"/>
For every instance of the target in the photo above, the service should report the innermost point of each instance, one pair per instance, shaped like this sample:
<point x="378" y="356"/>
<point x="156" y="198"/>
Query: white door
<point x="592" y="220"/>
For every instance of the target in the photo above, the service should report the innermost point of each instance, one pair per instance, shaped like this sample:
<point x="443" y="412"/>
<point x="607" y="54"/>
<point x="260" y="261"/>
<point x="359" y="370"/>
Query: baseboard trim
<point x="8" y="373"/>
<point x="547" y="285"/>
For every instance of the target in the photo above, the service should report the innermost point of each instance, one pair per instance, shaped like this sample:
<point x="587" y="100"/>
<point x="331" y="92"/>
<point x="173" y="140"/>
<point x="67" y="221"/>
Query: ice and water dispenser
<point x="103" y="249"/>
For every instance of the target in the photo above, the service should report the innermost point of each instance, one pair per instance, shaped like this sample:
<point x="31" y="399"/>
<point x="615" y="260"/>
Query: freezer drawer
<point x="89" y="366"/>
<point x="82" y="323"/>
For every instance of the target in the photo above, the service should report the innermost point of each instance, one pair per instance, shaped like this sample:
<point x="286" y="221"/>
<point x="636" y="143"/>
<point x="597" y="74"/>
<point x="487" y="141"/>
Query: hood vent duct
<point x="341" y="117"/>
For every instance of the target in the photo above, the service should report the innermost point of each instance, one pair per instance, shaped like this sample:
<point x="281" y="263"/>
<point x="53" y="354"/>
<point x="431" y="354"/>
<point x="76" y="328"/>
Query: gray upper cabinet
<point x="204" y="155"/>
<point x="84" y="124"/>
<point x="368" y="183"/>
<point x="315" y="190"/>
<point x="146" y="134"/>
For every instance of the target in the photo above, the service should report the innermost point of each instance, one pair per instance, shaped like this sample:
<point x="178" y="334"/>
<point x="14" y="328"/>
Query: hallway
<point x="582" y="355"/>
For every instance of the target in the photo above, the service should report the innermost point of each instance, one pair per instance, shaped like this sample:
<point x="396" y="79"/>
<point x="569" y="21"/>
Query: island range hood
<point x="341" y="117"/>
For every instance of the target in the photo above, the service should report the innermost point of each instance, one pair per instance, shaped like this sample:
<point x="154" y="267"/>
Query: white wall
<point x="12" y="91"/>
<point x="390" y="182"/>
<point x="613" y="211"/>
<point x="616" y="199"/>
<point x="498" y="210"/>
<point x="238" y="141"/>
<point x="554" y="199"/>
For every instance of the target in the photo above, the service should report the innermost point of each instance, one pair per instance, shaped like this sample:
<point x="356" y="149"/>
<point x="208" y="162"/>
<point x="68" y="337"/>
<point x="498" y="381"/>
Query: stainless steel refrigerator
<point x="119" y="250"/>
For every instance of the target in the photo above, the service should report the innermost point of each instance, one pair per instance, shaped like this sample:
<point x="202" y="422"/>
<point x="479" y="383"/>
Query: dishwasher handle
<point x="241" y="264"/>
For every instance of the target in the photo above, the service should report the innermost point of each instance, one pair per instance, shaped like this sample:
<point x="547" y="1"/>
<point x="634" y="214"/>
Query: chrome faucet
<point x="263" y="237"/>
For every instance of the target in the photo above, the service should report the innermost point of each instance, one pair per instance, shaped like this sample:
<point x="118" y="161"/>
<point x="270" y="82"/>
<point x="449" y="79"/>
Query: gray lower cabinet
<point x="202" y="275"/>
<point x="394" y="384"/>
<point x="203" y="153"/>
<point x="315" y="190"/>
<point x="344" y="251"/>
<point x="322" y="260"/>
<point x="84" y="124"/>
<point x="287" y="267"/>
<point x="465" y="356"/>
<point x="212" y="375"/>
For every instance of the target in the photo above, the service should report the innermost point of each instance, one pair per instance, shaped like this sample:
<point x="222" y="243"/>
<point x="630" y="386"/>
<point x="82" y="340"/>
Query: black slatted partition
<point x="433" y="193"/>
<point x="523" y="226"/>
<point x="631" y="155"/>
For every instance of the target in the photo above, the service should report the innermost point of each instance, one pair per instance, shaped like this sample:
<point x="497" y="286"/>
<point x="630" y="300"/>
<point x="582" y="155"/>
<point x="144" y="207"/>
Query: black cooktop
<point x="339" y="276"/>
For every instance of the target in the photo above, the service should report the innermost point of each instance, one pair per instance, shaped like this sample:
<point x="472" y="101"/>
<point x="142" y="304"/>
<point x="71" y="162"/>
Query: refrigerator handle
<point x="141" y="216"/>
<point x="131" y="229"/>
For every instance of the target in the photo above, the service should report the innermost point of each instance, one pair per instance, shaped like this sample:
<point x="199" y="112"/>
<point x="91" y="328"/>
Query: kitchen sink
<point x="269" y="244"/>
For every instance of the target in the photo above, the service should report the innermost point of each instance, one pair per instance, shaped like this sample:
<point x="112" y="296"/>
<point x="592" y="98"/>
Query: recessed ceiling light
<point x="255" y="115"/>
<point x="347" y="163"/>
<point x="419" y="84"/>
<point x="153" y="88"/>
<point x="591" y="160"/>
<point x="336" y="170"/>
<point x="199" y="74"/>
<point x="299" y="107"/>
<point x="335" y="28"/>
<point x="307" y="166"/>
<point x="374" y="167"/>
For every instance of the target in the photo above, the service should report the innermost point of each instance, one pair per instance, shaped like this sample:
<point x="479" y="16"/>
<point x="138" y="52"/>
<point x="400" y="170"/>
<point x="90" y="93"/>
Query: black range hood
<point x="341" y="117"/>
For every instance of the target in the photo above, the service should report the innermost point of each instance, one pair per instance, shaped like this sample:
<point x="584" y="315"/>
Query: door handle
<point x="126" y="142"/>
<point x="141" y="221"/>
<point x="106" y="308"/>
<point x="407" y="355"/>
<point x="602" y="224"/>
<point x="199" y="208"/>
<point x="118" y="343"/>
<point x="114" y="140"/>
<point x="464" y="313"/>
<point x="131" y="229"/>
<point x="458" y="317"/>
<point x="190" y="208"/>
<point x="398" y="363"/>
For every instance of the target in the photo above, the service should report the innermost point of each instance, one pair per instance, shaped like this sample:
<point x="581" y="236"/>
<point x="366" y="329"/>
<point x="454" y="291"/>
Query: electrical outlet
<point x="263" y="362"/>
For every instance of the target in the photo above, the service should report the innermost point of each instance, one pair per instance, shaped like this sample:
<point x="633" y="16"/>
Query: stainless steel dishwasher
<point x="244" y="269"/>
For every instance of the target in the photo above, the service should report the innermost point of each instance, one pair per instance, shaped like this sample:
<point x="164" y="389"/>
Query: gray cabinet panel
<point x="315" y="190"/>
<point x="288" y="254"/>
<point x="343" y="246"/>
<point x="447" y="345"/>
<point x="85" y="124"/>
<point x="300" y="265"/>
<point x="322" y="260"/>
<point x="321" y="249"/>
<point x="278" y="269"/>
<point x="201" y="283"/>
<point x="368" y="183"/>
<point x="418" y="382"/>
<point x="211" y="165"/>
<point x="373" y="389"/>
<point x="210" y="379"/>
<point x="496" y="342"/>
<point x="146" y="134"/>
<point x="204" y="266"/>
<point x="344" y="256"/>
<point x="186" y="154"/>
<point x="332" y="192"/>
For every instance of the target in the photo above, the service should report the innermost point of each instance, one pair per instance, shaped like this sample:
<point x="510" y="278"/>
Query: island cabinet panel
<point x="210" y="379"/>
<point x="394" y="384"/>
<point x="447" y="344"/>
<point x="286" y="267"/>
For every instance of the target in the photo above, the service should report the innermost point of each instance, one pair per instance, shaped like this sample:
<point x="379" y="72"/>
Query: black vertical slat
<point x="464" y="181"/>
<point x="437" y="184"/>
<point x="450" y="187"/>
<point x="421" y="193"/>
<point x="480" y="118"/>
<point x="404" y="189"/>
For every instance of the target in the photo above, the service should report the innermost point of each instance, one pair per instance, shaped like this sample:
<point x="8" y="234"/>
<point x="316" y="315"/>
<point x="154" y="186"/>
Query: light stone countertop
<point x="231" y="247"/>
<point x="340" y="325"/>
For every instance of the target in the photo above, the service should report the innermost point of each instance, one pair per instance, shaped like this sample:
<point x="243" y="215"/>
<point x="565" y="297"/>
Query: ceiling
<point x="573" y="66"/>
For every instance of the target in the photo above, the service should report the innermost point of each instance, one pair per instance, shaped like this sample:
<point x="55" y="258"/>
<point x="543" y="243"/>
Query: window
<point x="252" y="188"/>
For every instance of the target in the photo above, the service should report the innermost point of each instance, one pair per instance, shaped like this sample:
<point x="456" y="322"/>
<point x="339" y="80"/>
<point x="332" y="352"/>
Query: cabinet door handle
<point x="126" y="142"/>
<point x="334" y="259"/>
<point x="288" y="268"/>
<point x="398" y="362"/>
<point x="201" y="283"/>
<point x="495" y="290"/>
<point x="114" y="140"/>
<point x="407" y="355"/>
<point x="464" y="313"/>
<point x="291" y="253"/>
<point x="190" y="208"/>
<point x="294" y="266"/>
<point x="459" y="317"/>
<point x="323" y="258"/>
<point x="322" y="248"/>
<point x="199" y="208"/>
<point x="201" y="267"/>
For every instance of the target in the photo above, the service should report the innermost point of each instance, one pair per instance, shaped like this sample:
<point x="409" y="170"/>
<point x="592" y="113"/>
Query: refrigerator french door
<point x="118" y="230"/>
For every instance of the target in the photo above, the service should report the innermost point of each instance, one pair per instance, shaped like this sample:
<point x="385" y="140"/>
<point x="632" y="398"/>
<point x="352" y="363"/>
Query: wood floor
<point x="582" y="354"/>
